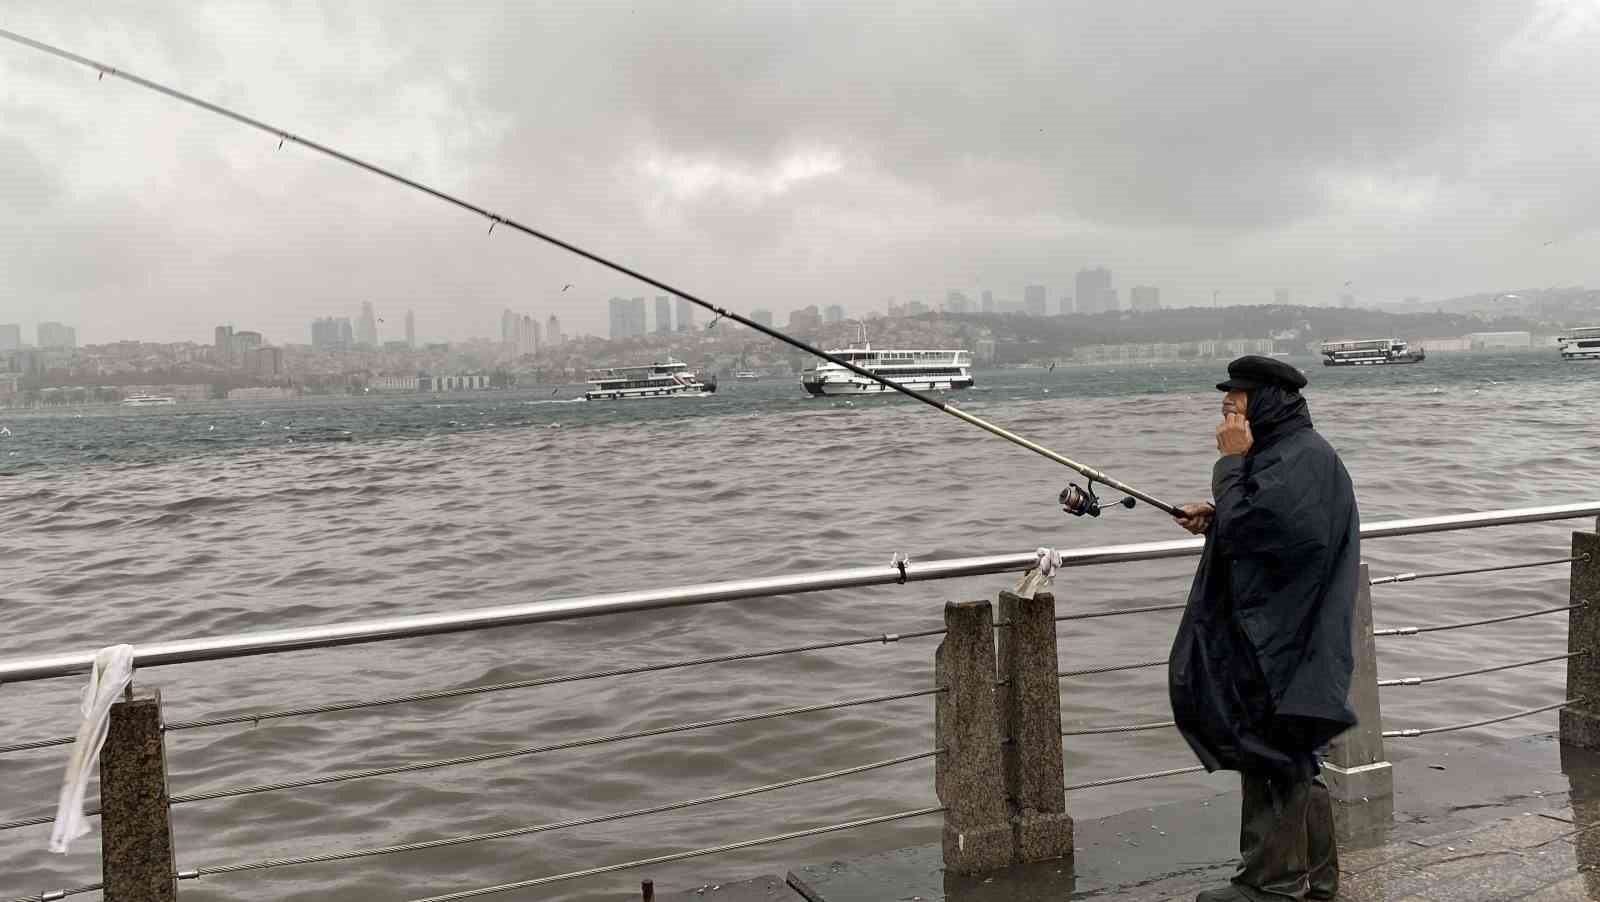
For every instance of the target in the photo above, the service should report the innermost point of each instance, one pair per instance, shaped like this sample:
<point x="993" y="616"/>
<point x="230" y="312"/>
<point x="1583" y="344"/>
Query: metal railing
<point x="1020" y="669"/>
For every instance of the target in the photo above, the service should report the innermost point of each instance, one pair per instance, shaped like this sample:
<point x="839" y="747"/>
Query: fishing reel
<point x="1084" y="503"/>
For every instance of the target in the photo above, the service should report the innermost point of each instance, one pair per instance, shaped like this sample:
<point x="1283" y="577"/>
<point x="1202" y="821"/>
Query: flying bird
<point x="1550" y="242"/>
<point x="566" y="286"/>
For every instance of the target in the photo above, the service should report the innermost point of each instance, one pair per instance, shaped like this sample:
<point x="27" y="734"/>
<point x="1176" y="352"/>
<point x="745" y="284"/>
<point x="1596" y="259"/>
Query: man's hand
<point x="1196" y="517"/>
<point x="1233" y="435"/>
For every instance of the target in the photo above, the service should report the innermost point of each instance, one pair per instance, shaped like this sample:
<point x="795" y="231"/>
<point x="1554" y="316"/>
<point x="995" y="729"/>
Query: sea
<point x="209" y="519"/>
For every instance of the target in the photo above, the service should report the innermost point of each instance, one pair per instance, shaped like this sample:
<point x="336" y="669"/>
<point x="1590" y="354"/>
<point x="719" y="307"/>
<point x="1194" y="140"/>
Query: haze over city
<point x="774" y="157"/>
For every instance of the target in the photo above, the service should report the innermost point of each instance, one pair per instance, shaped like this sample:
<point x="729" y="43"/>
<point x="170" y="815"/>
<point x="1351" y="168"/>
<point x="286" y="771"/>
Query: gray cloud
<point x="777" y="155"/>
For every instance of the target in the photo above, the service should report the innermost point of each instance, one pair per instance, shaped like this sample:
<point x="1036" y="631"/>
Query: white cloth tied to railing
<point x="1042" y="575"/>
<point x="113" y="671"/>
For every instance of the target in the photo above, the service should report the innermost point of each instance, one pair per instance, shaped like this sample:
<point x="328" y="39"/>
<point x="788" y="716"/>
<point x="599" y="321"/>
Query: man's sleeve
<point x="1267" y="509"/>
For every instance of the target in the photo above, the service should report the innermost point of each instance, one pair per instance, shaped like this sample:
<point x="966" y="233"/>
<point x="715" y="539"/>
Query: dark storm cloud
<point x="781" y="154"/>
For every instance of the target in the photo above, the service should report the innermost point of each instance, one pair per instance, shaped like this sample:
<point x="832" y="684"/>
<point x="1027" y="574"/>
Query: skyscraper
<point x="764" y="317"/>
<point x="1093" y="290"/>
<point x="528" y="336"/>
<point x="627" y="317"/>
<point x="552" y="330"/>
<point x="55" y="335"/>
<point x="367" y="326"/>
<point x="685" y="316"/>
<point x="224" y="343"/>
<point x="347" y="338"/>
<point x="663" y="314"/>
<point x="1144" y="297"/>
<point x="10" y="337"/>
<point x="834" y="313"/>
<point x="329" y="334"/>
<point x="1033" y="300"/>
<point x="636" y="317"/>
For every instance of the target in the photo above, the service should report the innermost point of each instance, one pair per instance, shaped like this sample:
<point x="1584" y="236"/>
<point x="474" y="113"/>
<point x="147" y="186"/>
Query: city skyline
<point x="1200" y="180"/>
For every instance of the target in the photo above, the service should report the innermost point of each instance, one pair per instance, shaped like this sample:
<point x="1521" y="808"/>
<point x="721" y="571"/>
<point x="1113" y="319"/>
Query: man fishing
<point x="1260" y="668"/>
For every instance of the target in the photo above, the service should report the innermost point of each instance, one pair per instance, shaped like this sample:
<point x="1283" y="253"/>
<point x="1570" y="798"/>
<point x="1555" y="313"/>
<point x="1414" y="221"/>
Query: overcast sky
<point x="778" y="154"/>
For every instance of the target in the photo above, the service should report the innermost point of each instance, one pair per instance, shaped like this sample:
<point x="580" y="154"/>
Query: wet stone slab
<point x="771" y="888"/>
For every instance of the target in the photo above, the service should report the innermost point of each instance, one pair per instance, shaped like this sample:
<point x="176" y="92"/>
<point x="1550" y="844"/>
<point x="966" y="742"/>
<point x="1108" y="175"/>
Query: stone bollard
<point x="1355" y="768"/>
<point x="1029" y="703"/>
<point x="969" y="777"/>
<point x="1580" y="724"/>
<point x="135" y="825"/>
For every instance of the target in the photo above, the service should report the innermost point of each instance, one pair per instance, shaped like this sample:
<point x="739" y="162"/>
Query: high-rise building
<point x="1280" y="296"/>
<point x="244" y="343"/>
<point x="636" y="326"/>
<point x="986" y="304"/>
<point x="55" y="335"/>
<point x="347" y="334"/>
<point x="1033" y="300"/>
<point x="1093" y="292"/>
<point x="685" y="316"/>
<point x="528" y="338"/>
<point x="330" y="334"/>
<point x="764" y="317"/>
<point x="264" y="362"/>
<point x="552" y="330"/>
<point x="627" y="317"/>
<point x="834" y="313"/>
<point x="367" y="326"/>
<point x="663" y="314"/>
<point x="510" y="328"/>
<point x="10" y="337"/>
<point x="411" y="329"/>
<point x="224" y="343"/>
<point x="807" y="317"/>
<point x="1144" y="297"/>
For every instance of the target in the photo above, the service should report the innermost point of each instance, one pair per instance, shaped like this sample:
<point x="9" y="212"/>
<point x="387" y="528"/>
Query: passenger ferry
<point x="657" y="380"/>
<point x="147" y="401"/>
<point x="1370" y="352"/>
<point x="1582" y="343"/>
<point x="920" y="370"/>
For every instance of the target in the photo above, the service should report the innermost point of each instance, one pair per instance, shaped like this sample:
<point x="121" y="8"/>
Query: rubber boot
<point x="1322" y="853"/>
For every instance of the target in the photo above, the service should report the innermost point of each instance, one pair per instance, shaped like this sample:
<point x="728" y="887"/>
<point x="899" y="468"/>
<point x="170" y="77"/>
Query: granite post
<point x="135" y="825"/>
<point x="969" y="776"/>
<point x="1355" y="767"/>
<point x="1030" y="716"/>
<point x="1580" y="724"/>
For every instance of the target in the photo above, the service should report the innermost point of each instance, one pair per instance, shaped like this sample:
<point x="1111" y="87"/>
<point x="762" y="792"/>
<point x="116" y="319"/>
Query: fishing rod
<point x="1074" y="500"/>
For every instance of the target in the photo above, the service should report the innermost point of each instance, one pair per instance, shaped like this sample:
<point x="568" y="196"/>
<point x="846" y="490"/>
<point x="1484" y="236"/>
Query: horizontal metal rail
<point x="37" y="744"/>
<point x="1137" y="778"/>
<point x="1110" y="668"/>
<point x="1411" y="577"/>
<point x="680" y="856"/>
<point x="1411" y="734"/>
<point x="542" y="749"/>
<point x="52" y="895"/>
<point x="215" y="648"/>
<point x="1439" y="678"/>
<point x="545" y="828"/>
<point x="1467" y="624"/>
<point x="1090" y="615"/>
<point x="1121" y="728"/>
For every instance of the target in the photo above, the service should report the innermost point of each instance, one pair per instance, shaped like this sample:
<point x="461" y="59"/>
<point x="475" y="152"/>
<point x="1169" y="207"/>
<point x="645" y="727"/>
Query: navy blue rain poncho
<point x="1260" y="670"/>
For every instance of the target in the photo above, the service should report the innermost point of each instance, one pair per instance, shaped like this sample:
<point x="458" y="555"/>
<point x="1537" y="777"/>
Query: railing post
<point x="968" y="776"/>
<point x="1030" y="715"/>
<point x="1580" y="724"/>
<point x="1355" y="767"/>
<point x="135" y="825"/>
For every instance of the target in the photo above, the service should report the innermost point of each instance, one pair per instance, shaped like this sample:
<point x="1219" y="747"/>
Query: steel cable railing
<point x="557" y="825"/>
<point x="680" y="856"/>
<point x="1110" y="668"/>
<point x="1120" y="728"/>
<point x="1439" y="678"/>
<point x="1417" y="630"/>
<point x="52" y="895"/>
<point x="1090" y="615"/>
<point x="1429" y="731"/>
<point x="537" y="750"/>
<point x="1136" y="778"/>
<point x="1410" y="577"/>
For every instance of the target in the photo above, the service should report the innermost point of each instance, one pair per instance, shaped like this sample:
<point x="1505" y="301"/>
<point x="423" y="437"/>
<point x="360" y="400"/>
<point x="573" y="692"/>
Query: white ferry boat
<point x="1370" y="352"/>
<point x="747" y="376"/>
<point x="657" y="380"/>
<point x="920" y="370"/>
<point x="1582" y="343"/>
<point x="147" y="401"/>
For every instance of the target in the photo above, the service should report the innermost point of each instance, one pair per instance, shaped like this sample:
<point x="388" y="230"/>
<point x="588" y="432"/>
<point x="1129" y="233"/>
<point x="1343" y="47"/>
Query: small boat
<point x="655" y="380"/>
<point x="747" y="376"/>
<point x="1370" y="352"/>
<point x="937" y="370"/>
<point x="147" y="401"/>
<point x="1582" y="343"/>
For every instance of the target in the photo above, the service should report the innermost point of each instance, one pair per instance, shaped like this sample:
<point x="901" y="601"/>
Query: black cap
<point x="1254" y="371"/>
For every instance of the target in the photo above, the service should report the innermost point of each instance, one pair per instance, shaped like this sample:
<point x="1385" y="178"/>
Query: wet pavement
<point x="1516" y="820"/>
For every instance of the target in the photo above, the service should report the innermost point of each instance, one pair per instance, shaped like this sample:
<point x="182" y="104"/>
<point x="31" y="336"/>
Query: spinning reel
<point x="1083" y="502"/>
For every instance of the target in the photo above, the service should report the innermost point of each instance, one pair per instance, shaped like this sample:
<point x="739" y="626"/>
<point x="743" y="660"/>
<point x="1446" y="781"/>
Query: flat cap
<point x="1254" y="371"/>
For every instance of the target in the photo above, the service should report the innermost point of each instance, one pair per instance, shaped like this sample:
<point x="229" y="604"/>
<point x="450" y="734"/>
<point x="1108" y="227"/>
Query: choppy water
<point x="130" y="526"/>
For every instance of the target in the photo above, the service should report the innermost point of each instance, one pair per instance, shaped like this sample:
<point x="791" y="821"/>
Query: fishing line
<point x="1074" y="500"/>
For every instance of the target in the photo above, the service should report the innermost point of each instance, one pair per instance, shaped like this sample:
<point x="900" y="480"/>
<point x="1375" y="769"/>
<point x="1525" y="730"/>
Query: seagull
<point x="5" y="430"/>
<point x="566" y="286"/>
<point x="553" y="393"/>
<point x="213" y="428"/>
<point x="1550" y="242"/>
<point x="264" y="423"/>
